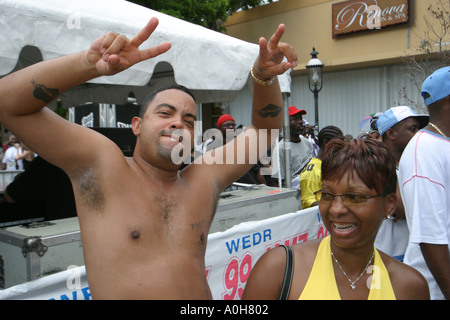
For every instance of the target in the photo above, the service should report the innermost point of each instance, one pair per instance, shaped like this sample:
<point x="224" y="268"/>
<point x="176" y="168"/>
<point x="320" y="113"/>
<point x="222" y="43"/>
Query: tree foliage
<point x="433" y="52"/>
<point x="208" y="13"/>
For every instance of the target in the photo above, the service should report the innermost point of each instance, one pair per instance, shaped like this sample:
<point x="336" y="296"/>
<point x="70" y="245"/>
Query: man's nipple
<point x="135" y="235"/>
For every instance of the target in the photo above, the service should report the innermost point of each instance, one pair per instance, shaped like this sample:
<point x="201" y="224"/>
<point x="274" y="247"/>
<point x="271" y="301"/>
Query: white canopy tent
<point x="210" y="63"/>
<point x="213" y="65"/>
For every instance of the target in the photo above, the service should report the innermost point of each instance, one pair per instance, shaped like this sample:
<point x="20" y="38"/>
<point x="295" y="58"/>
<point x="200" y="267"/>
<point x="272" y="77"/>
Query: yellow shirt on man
<point x="310" y="182"/>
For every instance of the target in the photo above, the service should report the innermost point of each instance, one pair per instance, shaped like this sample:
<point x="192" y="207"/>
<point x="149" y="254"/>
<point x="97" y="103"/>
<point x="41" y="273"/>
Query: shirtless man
<point x="144" y="224"/>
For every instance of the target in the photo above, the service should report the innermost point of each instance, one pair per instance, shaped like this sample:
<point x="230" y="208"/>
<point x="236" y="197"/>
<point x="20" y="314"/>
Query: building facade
<point x="364" y="50"/>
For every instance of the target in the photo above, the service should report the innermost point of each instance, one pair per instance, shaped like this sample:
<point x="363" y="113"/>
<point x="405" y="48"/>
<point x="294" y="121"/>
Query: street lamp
<point x="315" y="81"/>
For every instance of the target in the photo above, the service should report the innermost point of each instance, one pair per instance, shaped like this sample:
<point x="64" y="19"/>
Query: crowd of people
<point x="15" y="155"/>
<point x="147" y="213"/>
<point x="414" y="151"/>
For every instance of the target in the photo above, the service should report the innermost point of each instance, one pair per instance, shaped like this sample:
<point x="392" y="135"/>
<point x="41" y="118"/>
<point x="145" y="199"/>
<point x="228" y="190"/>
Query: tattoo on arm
<point x="41" y="92"/>
<point x="269" y="111"/>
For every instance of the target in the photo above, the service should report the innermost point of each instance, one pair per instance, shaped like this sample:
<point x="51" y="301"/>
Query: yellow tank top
<point x="321" y="284"/>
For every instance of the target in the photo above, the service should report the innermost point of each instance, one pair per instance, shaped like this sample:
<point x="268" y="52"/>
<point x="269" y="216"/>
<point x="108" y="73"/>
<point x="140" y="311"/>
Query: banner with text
<point x="231" y="255"/>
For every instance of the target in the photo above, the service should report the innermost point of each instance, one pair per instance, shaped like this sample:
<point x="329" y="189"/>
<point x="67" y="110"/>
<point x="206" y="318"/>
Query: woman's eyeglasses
<point x="349" y="199"/>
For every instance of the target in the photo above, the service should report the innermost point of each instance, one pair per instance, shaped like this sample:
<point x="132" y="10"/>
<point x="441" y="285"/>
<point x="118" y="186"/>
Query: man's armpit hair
<point x="91" y="190"/>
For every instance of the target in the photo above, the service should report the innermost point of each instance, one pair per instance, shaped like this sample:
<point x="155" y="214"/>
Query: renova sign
<point x="353" y="16"/>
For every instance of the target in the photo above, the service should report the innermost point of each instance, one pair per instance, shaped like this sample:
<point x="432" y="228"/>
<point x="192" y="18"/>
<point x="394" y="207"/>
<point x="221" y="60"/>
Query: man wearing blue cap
<point x="424" y="180"/>
<point x="396" y="127"/>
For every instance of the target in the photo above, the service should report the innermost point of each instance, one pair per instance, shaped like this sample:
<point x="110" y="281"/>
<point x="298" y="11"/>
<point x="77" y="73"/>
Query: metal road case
<point x="253" y="203"/>
<point x="29" y="252"/>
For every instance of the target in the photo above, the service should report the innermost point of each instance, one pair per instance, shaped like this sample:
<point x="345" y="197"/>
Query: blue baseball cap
<point x="396" y="114"/>
<point x="436" y="86"/>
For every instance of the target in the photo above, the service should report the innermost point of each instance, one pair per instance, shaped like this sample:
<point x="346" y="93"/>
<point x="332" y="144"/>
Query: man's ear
<point x="390" y="134"/>
<point x="136" y="125"/>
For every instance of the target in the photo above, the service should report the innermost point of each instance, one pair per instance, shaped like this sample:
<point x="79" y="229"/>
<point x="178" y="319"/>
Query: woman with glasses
<point x="358" y="192"/>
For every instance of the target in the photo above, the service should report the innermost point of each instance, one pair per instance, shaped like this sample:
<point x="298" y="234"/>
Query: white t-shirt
<point x="424" y="180"/>
<point x="10" y="159"/>
<point x="392" y="237"/>
<point x="301" y="154"/>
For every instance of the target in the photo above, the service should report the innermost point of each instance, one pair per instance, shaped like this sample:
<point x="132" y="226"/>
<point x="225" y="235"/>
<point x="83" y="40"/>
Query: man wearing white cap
<point x="396" y="127"/>
<point x="424" y="181"/>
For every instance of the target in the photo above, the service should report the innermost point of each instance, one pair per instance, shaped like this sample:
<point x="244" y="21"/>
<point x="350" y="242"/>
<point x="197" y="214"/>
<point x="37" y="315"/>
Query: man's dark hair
<point x="152" y="95"/>
<point x="329" y="133"/>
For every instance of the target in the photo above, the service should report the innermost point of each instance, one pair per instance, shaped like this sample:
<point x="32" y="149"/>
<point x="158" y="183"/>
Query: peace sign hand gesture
<point x="113" y="53"/>
<point x="271" y="54"/>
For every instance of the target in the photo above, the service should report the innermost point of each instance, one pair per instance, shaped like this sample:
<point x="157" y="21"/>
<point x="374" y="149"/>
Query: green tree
<point x="433" y="52"/>
<point x="207" y="13"/>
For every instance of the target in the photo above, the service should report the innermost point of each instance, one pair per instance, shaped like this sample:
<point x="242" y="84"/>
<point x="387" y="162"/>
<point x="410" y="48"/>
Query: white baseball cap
<point x="396" y="114"/>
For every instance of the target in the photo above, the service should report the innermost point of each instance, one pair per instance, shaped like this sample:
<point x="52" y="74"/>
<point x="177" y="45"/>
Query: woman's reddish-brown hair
<point x="366" y="157"/>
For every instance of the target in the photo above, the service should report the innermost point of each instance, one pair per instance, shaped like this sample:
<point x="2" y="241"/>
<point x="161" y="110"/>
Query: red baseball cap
<point x="223" y="118"/>
<point x="293" y="110"/>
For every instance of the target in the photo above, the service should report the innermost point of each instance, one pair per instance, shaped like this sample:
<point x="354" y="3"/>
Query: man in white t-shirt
<point x="10" y="161"/>
<point x="301" y="149"/>
<point x="396" y="127"/>
<point x="424" y="180"/>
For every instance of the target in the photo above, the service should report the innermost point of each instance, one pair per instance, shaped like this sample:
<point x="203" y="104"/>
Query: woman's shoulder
<point x="307" y="249"/>
<point x="303" y="250"/>
<point x="267" y="275"/>
<point x="407" y="282"/>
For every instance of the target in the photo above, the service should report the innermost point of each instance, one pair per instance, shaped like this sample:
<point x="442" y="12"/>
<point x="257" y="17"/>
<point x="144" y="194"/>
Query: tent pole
<point x="287" y="143"/>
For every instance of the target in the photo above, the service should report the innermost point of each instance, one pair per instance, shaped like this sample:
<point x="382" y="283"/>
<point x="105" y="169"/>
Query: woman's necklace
<point x="353" y="283"/>
<point x="438" y="130"/>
